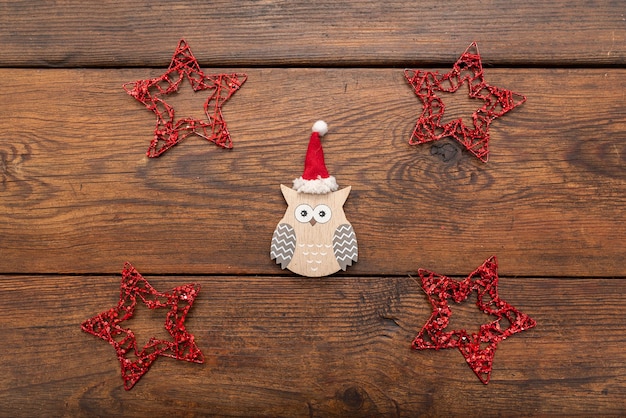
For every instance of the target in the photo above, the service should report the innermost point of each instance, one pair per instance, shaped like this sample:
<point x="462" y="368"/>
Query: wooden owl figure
<point x="314" y="238"/>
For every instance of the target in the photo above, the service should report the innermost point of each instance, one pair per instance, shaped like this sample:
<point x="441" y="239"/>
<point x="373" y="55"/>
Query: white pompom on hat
<point x="315" y="178"/>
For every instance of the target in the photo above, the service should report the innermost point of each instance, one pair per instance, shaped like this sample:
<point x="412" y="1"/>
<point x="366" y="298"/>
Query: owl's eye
<point x="304" y="213"/>
<point x="322" y="214"/>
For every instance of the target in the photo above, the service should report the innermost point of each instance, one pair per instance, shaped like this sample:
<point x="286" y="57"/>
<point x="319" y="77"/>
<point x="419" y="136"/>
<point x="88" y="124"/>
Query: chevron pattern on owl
<point x="345" y="246"/>
<point x="283" y="245"/>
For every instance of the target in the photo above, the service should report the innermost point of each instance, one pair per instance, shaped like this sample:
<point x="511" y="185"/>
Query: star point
<point x="467" y="70"/>
<point x="478" y="349"/>
<point x="135" y="362"/>
<point x="169" y="130"/>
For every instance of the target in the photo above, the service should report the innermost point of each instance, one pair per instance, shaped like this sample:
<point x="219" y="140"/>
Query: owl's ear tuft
<point x="342" y="195"/>
<point x="289" y="194"/>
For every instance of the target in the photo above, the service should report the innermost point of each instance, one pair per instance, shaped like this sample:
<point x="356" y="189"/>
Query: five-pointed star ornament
<point x="477" y="349"/>
<point x="169" y="131"/>
<point x="468" y="72"/>
<point x="108" y="325"/>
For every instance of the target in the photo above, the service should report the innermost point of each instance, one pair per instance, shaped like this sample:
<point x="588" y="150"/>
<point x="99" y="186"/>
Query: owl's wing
<point x="345" y="246"/>
<point x="283" y="245"/>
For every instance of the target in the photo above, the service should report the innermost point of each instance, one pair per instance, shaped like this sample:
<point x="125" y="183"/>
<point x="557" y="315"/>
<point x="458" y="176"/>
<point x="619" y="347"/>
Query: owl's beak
<point x="312" y="222"/>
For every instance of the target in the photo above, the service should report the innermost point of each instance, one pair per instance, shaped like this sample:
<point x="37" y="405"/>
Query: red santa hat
<point x="315" y="178"/>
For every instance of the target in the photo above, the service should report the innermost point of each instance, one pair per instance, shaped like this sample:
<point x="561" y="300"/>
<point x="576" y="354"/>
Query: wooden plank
<point x="282" y="346"/>
<point x="79" y="195"/>
<point x="303" y="33"/>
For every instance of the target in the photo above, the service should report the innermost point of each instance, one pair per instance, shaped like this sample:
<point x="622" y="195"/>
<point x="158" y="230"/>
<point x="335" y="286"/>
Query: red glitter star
<point x="107" y="325"/>
<point x="169" y="131"/>
<point x="478" y="349"/>
<point x="468" y="69"/>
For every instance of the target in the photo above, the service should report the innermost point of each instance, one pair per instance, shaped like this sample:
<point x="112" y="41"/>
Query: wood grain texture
<point x="112" y="33"/>
<point x="281" y="346"/>
<point x="78" y="198"/>
<point x="78" y="194"/>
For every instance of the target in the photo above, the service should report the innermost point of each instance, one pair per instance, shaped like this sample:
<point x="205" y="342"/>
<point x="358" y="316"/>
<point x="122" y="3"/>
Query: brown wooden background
<point x="78" y="198"/>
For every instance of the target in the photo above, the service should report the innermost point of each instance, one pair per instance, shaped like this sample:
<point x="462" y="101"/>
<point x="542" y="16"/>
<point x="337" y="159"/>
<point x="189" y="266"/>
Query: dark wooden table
<point x="78" y="198"/>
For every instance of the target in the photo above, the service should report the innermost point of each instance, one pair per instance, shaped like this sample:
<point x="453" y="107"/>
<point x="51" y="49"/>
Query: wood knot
<point x="447" y="151"/>
<point x="353" y="398"/>
<point x="11" y="160"/>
